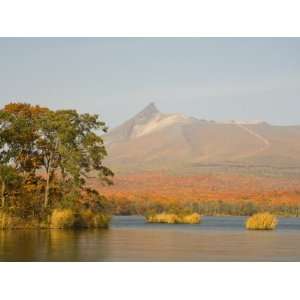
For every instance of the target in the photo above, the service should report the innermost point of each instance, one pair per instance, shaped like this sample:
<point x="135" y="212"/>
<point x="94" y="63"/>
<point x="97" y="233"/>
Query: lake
<point x="129" y="238"/>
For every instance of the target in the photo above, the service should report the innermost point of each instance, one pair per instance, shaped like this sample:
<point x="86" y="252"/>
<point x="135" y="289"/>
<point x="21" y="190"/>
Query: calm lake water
<point x="131" y="239"/>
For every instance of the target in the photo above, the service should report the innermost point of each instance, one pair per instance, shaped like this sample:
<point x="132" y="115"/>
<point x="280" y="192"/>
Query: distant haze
<point x="211" y="78"/>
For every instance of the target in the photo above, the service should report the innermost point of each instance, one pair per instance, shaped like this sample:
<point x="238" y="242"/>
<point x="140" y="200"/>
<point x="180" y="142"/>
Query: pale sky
<point x="212" y="78"/>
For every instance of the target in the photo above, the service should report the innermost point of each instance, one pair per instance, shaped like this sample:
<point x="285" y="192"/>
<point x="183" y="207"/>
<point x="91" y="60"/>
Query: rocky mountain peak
<point x="147" y="113"/>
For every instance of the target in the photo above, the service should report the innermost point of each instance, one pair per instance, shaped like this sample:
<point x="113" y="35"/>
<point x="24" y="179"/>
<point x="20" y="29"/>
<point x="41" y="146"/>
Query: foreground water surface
<point x="129" y="238"/>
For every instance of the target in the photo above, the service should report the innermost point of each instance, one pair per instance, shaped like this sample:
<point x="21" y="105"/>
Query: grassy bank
<point x="68" y="218"/>
<point x="11" y="221"/>
<point x="57" y="219"/>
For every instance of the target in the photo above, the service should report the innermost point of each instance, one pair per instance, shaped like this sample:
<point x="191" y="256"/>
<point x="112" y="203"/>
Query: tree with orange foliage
<point x="51" y="151"/>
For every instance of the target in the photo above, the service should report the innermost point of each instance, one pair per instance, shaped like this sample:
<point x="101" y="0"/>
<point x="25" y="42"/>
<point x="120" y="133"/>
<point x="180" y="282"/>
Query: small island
<point x="174" y="218"/>
<point x="262" y="221"/>
<point x="46" y="157"/>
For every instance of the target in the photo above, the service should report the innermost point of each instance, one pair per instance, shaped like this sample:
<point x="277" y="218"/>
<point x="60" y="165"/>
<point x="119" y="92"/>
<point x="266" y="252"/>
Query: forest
<point x="205" y="194"/>
<point x="46" y="158"/>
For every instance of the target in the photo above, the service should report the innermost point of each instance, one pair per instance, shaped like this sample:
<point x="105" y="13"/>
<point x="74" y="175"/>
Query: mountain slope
<point x="153" y="140"/>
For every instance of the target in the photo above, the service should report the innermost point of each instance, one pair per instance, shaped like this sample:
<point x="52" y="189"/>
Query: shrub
<point x="62" y="218"/>
<point x="171" y="218"/>
<point x="261" y="221"/>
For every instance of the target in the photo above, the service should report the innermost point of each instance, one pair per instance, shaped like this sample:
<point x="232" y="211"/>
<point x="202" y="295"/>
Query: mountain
<point x="152" y="140"/>
<point x="144" y="123"/>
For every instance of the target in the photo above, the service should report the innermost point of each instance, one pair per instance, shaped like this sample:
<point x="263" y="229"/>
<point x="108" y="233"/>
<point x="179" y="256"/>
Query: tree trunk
<point x="48" y="172"/>
<point x="3" y="194"/>
<point x="47" y="190"/>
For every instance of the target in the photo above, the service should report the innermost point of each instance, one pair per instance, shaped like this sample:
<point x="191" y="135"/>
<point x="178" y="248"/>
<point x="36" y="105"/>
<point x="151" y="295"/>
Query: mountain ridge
<point x="154" y="140"/>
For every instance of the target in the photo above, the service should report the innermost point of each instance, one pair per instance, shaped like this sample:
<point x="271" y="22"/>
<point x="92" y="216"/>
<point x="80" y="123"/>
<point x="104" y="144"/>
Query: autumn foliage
<point x="206" y="194"/>
<point x="45" y="158"/>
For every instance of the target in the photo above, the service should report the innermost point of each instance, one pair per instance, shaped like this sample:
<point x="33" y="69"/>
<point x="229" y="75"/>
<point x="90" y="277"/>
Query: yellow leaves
<point x="24" y="109"/>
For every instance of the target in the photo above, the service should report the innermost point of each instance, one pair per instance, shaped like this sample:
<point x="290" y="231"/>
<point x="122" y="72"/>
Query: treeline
<point x="146" y="206"/>
<point x="45" y="158"/>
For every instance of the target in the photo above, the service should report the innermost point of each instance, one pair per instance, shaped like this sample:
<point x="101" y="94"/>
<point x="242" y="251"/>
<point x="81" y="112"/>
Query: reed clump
<point x="62" y="218"/>
<point x="68" y="218"/>
<point x="7" y="221"/>
<point x="172" y="218"/>
<point x="262" y="221"/>
<point x="194" y="218"/>
<point x="89" y="219"/>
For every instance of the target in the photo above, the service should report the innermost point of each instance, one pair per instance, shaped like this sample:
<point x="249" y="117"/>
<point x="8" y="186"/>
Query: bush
<point x="261" y="221"/>
<point x="171" y="218"/>
<point x="62" y="218"/>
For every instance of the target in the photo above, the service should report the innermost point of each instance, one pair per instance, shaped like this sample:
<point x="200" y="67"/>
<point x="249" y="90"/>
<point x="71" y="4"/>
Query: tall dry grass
<point x="90" y="219"/>
<point x="10" y="221"/>
<point x="62" y="218"/>
<point x="172" y="218"/>
<point x="262" y="221"/>
<point x="68" y="218"/>
<point x="191" y="219"/>
<point x="6" y="220"/>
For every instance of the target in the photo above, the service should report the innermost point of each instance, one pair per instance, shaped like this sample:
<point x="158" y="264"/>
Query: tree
<point x="52" y="152"/>
<point x="9" y="179"/>
<point x="68" y="141"/>
<point x="18" y="136"/>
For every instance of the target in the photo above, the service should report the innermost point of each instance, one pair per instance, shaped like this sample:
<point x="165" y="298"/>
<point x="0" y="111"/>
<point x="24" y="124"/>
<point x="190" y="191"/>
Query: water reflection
<point x="131" y="239"/>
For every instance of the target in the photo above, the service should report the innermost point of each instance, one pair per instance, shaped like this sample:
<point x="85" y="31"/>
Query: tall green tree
<point x="63" y="145"/>
<point x="9" y="179"/>
<point x="70" y="143"/>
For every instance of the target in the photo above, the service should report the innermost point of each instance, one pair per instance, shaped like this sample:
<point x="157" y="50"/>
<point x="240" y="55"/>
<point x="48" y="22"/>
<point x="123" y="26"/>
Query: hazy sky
<point x="212" y="78"/>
